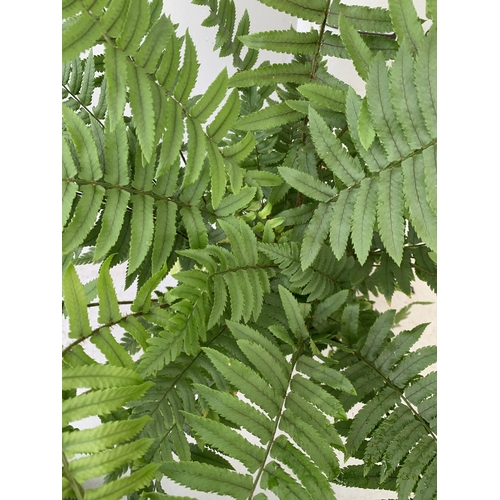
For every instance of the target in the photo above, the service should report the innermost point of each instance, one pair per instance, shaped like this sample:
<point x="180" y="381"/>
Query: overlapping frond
<point x="284" y="201"/>
<point x="394" y="433"/>
<point x="289" y="417"/>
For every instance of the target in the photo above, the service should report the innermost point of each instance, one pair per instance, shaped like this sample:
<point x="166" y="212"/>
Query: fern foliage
<point x="281" y="202"/>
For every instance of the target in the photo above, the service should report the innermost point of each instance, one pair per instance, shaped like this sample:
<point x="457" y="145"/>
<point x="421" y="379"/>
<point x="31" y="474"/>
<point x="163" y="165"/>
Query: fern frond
<point x="289" y="41"/>
<point x="135" y="27"/>
<point x="274" y="74"/>
<point x="268" y="118"/>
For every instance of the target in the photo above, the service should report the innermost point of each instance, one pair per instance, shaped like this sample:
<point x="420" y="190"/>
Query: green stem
<point x="75" y="486"/>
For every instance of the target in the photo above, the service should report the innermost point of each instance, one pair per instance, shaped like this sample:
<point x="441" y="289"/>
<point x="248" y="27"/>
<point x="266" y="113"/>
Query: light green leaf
<point x="114" y="352"/>
<point x="310" y="10"/>
<point x="227" y="441"/>
<point x="422" y="217"/>
<point x="383" y="118"/>
<point x="98" y="377"/>
<point x="404" y="99"/>
<point x="272" y="75"/>
<point x="86" y="149"/>
<point x="103" y="436"/>
<point x="124" y="485"/>
<point x="135" y="26"/>
<point x="195" y="227"/>
<point x="365" y="127"/>
<point x="151" y="49"/>
<point x="239" y="151"/>
<point x="235" y="410"/>
<point x="116" y="89"/>
<point x="75" y="301"/>
<point x="79" y="36"/>
<point x="430" y="171"/>
<point x="307" y="184"/>
<point x="426" y="80"/>
<point x="211" y="98"/>
<point x="217" y="173"/>
<point x="172" y="138"/>
<point x="324" y="374"/>
<point x="167" y="73"/>
<point x="293" y="315"/>
<point x="84" y="217"/>
<point x="315" y="234"/>
<point x="390" y="219"/>
<point x="204" y="477"/>
<point x="100" y="402"/>
<point x="116" y="153"/>
<point x="235" y="202"/>
<point x="165" y="232"/>
<point x="362" y="17"/>
<point x="340" y="222"/>
<point x="141" y="102"/>
<point x="255" y="388"/>
<point x="271" y="117"/>
<point x="219" y="304"/>
<point x="361" y="55"/>
<point x="368" y="417"/>
<point x="374" y="157"/>
<point x="142" y="228"/>
<point x="142" y="301"/>
<point x="109" y="312"/>
<point x="225" y="118"/>
<point x="331" y="150"/>
<point x="188" y="72"/>
<point x="324" y="95"/>
<point x="85" y="468"/>
<point x="112" y="221"/>
<point x="132" y="325"/>
<point x="406" y="23"/>
<point x="287" y="41"/>
<point x="363" y="218"/>
<point x="195" y="152"/>
<point x="85" y="95"/>
<point x="328" y="306"/>
<point x="114" y="18"/>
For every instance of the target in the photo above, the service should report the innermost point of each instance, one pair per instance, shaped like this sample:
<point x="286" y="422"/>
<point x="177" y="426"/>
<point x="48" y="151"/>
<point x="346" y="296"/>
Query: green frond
<point x="307" y="184"/>
<point x="363" y="217"/>
<point x="120" y="487"/>
<point x="135" y="27"/>
<point x="141" y="102"/>
<point x="360" y="53"/>
<point x="167" y="72"/>
<point x="383" y="118"/>
<point x="109" y="312"/>
<point x="316" y="232"/>
<point x="268" y="118"/>
<point x="188" y="72"/>
<point x="115" y="63"/>
<point x="164" y="235"/>
<point x="390" y="212"/>
<point x="195" y="227"/>
<point x="208" y="478"/>
<point x="86" y="148"/>
<point x="79" y="34"/>
<point x="324" y="95"/>
<point x="151" y="49"/>
<point x="84" y="217"/>
<point x="111" y="349"/>
<point x="340" y="222"/>
<point x="313" y="11"/>
<point x="75" y="301"/>
<point x="172" y="138"/>
<point x="211" y="98"/>
<point x="142" y="226"/>
<point x="422" y="217"/>
<point x="406" y="23"/>
<point x="362" y="17"/>
<point x="330" y="149"/>
<point x="274" y="74"/>
<point x="426" y="80"/>
<point x="287" y="41"/>
<point x="225" y="118"/>
<point x="196" y="152"/>
<point x="114" y="18"/>
<point x="85" y="95"/>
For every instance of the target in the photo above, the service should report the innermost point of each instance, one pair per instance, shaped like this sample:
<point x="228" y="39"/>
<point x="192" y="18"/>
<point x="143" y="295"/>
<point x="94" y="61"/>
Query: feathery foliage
<point x="281" y="201"/>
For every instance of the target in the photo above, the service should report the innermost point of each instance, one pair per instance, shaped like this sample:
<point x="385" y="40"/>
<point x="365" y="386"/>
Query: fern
<point x="281" y="202"/>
